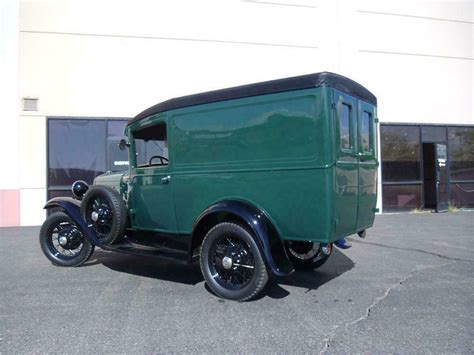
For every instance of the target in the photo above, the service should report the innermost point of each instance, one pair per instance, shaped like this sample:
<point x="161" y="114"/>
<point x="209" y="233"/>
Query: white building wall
<point x="9" y="104"/>
<point x="116" y="58"/>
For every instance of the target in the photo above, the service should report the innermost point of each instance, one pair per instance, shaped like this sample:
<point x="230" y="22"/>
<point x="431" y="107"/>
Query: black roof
<point x="335" y="81"/>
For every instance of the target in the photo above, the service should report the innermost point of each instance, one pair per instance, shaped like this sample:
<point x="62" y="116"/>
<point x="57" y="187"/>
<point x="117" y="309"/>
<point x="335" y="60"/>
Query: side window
<point x="366" y="132"/>
<point x="151" y="145"/>
<point x="345" y="126"/>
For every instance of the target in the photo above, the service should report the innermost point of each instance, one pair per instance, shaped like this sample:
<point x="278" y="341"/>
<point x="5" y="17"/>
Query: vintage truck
<point x="252" y="181"/>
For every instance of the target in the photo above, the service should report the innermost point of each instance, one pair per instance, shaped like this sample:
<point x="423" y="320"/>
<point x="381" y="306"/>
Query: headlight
<point x="79" y="188"/>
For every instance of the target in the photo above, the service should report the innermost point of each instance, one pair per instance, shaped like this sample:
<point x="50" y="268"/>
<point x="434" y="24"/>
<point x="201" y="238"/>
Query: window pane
<point x="461" y="153"/>
<point x="345" y="126"/>
<point x="365" y="131"/>
<point x="400" y="153"/>
<point x="76" y="150"/>
<point x="151" y="142"/>
<point x="462" y="194"/>
<point x="433" y="134"/>
<point x="401" y="197"/>
<point x="117" y="160"/>
<point x="115" y="128"/>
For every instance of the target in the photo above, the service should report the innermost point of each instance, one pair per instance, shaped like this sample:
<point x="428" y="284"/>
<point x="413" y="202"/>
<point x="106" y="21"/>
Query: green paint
<point x="280" y="152"/>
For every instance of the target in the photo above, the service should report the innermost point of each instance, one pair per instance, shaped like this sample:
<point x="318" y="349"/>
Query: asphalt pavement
<point x="407" y="288"/>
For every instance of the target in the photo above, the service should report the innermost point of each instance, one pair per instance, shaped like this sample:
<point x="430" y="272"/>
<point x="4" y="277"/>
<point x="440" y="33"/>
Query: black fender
<point x="268" y="239"/>
<point x="72" y="208"/>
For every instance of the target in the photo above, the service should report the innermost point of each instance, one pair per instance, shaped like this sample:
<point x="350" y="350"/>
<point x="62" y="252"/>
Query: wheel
<point x="231" y="263"/>
<point x="104" y="209"/>
<point x="62" y="242"/>
<point x="308" y="255"/>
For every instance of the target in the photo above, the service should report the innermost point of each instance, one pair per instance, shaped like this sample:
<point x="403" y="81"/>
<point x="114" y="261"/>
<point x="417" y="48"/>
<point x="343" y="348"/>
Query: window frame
<point x="350" y="106"/>
<point x="371" y="132"/>
<point x="133" y="150"/>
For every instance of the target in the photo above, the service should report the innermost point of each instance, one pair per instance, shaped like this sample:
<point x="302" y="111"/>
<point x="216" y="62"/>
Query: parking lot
<point x="407" y="287"/>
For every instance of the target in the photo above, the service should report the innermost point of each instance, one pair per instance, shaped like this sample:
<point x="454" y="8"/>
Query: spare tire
<point x="105" y="212"/>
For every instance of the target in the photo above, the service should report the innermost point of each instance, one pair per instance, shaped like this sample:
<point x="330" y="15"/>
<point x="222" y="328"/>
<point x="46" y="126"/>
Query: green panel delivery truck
<point x="252" y="181"/>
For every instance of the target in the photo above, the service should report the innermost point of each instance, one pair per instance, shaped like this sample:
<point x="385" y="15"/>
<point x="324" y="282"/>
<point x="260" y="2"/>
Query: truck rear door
<point x="347" y="164"/>
<point x="367" y="170"/>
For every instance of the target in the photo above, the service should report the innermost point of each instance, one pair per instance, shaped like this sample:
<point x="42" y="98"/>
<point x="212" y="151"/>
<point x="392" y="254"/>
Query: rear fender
<point x="268" y="239"/>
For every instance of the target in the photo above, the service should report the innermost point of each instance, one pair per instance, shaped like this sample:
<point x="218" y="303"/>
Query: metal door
<point x="347" y="162"/>
<point x="441" y="178"/>
<point x="368" y="165"/>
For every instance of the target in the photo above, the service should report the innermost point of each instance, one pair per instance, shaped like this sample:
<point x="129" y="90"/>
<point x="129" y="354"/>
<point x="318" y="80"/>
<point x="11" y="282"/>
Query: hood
<point x="110" y="179"/>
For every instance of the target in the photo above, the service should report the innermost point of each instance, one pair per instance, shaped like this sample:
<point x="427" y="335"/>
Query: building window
<point x="461" y="165"/>
<point x="461" y="153"/>
<point x="345" y="129"/>
<point x="401" y="197"/>
<point x="401" y="173"/>
<point x="400" y="147"/>
<point x="81" y="149"/>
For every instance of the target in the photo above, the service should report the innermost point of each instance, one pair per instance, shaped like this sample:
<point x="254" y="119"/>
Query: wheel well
<point x="210" y="221"/>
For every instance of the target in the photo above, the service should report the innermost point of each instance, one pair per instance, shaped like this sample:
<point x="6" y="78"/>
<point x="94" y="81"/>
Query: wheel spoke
<point x="245" y="266"/>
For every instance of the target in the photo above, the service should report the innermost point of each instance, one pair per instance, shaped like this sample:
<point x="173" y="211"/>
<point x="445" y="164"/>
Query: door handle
<point x="166" y="180"/>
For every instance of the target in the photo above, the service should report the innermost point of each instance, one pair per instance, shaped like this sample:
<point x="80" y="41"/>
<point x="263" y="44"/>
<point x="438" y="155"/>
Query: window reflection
<point x="461" y="153"/>
<point x="81" y="149"/>
<point x="365" y="131"/>
<point x="345" y="126"/>
<point x="400" y="153"/>
<point x="462" y="194"/>
<point x="401" y="197"/>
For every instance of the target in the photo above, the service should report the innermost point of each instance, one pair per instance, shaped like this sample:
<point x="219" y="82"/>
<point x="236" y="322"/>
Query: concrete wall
<point x="115" y="58"/>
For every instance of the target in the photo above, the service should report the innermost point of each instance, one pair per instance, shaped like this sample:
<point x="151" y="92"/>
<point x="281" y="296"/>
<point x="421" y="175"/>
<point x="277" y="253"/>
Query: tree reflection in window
<point x="461" y="153"/>
<point x="400" y="153"/>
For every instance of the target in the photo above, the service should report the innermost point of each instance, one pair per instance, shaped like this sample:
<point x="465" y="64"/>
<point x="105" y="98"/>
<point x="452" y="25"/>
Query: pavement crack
<point x="411" y="249"/>
<point x="412" y="273"/>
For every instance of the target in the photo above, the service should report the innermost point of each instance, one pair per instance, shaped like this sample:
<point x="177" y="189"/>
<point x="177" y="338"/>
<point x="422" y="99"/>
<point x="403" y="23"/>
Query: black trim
<point x="256" y="221"/>
<point x="324" y="79"/>
<point x="71" y="207"/>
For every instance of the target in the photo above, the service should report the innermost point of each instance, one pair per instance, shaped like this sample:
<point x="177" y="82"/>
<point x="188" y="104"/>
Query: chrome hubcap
<point x="95" y="216"/>
<point x="62" y="240"/>
<point x="227" y="262"/>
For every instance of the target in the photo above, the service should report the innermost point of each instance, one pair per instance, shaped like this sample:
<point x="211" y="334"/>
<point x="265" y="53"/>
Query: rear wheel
<point x="308" y="255"/>
<point x="231" y="263"/>
<point x="62" y="242"/>
<point x="104" y="210"/>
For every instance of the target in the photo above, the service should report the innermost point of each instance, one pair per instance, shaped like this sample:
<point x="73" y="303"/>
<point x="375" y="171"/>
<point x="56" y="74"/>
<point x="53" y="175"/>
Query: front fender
<point x="72" y="208"/>
<point x="259" y="223"/>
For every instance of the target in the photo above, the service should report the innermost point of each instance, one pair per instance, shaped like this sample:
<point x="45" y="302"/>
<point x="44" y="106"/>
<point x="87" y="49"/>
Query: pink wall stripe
<point x="9" y="208"/>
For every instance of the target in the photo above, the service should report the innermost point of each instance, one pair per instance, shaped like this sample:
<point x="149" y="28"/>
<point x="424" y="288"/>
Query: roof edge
<point x="323" y="79"/>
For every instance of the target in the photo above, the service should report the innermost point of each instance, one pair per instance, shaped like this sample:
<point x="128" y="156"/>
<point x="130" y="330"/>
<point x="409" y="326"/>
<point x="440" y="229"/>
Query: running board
<point x="129" y="247"/>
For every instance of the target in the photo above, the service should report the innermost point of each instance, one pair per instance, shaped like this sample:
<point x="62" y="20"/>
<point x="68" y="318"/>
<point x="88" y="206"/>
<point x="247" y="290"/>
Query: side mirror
<point x="123" y="144"/>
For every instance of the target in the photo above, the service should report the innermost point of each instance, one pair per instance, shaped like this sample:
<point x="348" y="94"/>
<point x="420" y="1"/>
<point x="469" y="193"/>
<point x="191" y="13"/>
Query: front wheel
<point x="308" y="255"/>
<point x="62" y="242"/>
<point x="231" y="262"/>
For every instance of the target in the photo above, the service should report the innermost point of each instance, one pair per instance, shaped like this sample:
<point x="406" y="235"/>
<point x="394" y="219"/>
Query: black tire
<point x="247" y="275"/>
<point x="307" y="255"/>
<point x="77" y="250"/>
<point x="109" y="223"/>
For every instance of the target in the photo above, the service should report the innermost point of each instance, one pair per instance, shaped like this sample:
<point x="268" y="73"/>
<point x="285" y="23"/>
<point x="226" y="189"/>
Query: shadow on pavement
<point x="311" y="280"/>
<point x="147" y="267"/>
<point x="337" y="264"/>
